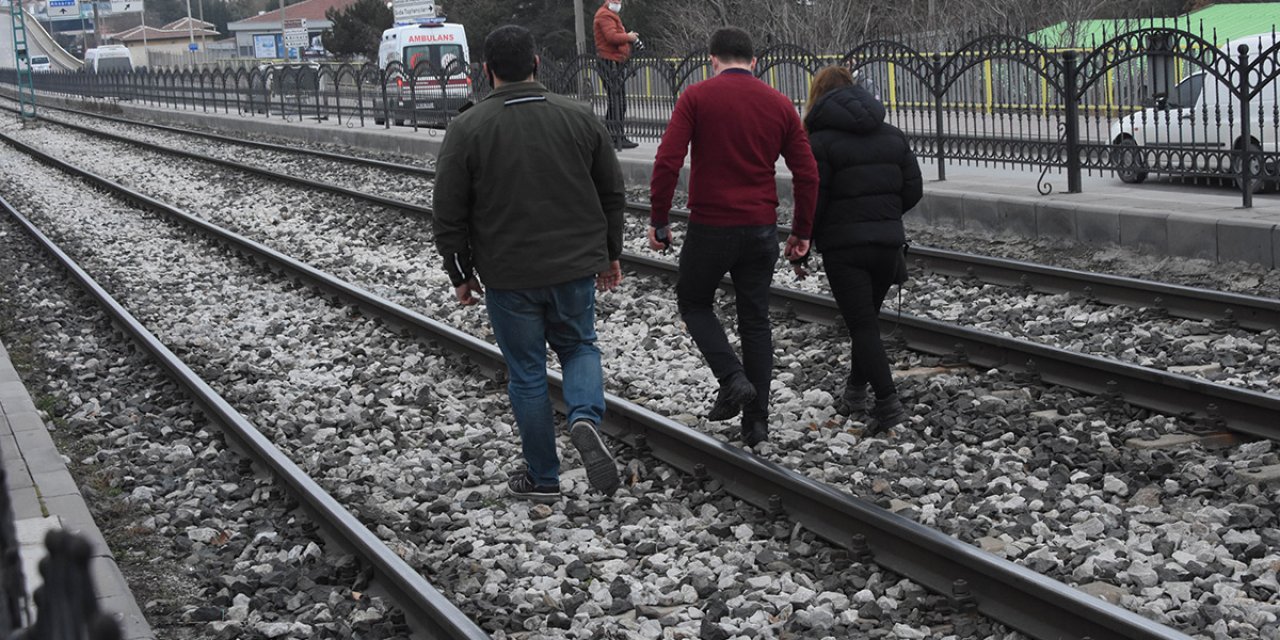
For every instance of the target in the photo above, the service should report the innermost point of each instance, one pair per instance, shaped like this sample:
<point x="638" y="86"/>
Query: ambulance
<point x="438" y="51"/>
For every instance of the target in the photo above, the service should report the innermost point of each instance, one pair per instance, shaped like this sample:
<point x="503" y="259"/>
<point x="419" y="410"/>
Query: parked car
<point x="1186" y="131"/>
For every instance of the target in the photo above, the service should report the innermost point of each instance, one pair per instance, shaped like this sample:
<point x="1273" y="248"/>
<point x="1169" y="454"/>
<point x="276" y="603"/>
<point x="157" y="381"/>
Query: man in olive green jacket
<point x="529" y="195"/>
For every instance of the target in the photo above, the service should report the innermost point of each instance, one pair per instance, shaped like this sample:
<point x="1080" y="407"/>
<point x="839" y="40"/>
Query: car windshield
<point x="39" y="60"/>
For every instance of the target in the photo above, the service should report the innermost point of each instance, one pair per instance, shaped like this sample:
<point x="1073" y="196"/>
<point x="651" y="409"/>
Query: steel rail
<point x="1009" y="593"/>
<point x="258" y="144"/>
<point x="1252" y="312"/>
<point x="1219" y="406"/>
<point x="433" y="613"/>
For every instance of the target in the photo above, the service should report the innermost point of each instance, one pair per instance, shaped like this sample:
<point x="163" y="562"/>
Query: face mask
<point x="615" y="7"/>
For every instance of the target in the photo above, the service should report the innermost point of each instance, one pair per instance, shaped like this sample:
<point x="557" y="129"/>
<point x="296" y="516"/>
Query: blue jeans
<point x="525" y="321"/>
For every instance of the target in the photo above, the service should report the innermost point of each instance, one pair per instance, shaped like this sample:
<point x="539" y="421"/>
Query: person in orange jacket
<point x="613" y="49"/>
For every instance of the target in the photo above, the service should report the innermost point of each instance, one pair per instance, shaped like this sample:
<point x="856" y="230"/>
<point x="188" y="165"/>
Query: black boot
<point x="888" y="412"/>
<point x="735" y="391"/>
<point x="854" y="400"/>
<point x="754" y="431"/>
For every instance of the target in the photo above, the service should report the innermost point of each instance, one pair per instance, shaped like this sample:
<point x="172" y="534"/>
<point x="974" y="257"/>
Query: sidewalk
<point x="44" y="496"/>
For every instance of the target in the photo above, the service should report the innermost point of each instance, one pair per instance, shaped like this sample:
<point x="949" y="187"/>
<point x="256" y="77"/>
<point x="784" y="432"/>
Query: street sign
<point x="126" y="6"/>
<point x="191" y="46"/>
<point x="412" y="10"/>
<point x="295" y="33"/>
<point x="64" y="9"/>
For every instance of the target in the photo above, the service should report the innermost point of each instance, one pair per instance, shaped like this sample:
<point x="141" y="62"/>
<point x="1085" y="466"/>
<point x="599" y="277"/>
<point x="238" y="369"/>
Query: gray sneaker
<point x="602" y="471"/>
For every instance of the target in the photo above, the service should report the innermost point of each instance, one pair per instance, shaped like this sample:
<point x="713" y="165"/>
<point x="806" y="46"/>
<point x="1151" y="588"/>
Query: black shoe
<point x="627" y="144"/>
<point x="754" y="431"/>
<point x="854" y="400"/>
<point x="602" y="471"/>
<point x="522" y="486"/>
<point x="888" y="412"/>
<point x="734" y="392"/>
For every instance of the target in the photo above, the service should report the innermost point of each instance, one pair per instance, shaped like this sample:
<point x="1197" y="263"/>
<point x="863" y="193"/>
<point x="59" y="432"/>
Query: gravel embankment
<point x="1231" y="356"/>
<point x="1201" y="348"/>
<point x="208" y="547"/>
<point x="419" y="446"/>
<point x="387" y="182"/>
<point x="1038" y="475"/>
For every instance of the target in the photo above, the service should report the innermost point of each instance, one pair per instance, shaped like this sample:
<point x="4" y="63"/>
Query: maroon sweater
<point x="738" y="126"/>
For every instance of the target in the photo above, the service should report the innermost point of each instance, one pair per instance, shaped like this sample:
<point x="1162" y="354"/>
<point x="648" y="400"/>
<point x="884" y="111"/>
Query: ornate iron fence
<point x="1156" y="100"/>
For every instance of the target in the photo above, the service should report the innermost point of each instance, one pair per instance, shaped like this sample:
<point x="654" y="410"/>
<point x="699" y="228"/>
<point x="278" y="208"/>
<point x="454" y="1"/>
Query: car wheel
<point x="1129" y="162"/>
<point x="1260" y="182"/>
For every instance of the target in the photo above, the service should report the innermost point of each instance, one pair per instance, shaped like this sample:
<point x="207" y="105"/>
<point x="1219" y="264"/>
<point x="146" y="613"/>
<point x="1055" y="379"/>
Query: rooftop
<point x="311" y="10"/>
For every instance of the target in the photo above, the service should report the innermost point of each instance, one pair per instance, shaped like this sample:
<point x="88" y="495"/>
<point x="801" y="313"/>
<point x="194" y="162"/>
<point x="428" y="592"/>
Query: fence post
<point x="1246" y="130"/>
<point x="386" y="105"/>
<point x="938" y="126"/>
<point x="1072" y="115"/>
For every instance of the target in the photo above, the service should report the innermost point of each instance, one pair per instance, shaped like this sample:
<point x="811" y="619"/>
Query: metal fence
<point x="1155" y="100"/>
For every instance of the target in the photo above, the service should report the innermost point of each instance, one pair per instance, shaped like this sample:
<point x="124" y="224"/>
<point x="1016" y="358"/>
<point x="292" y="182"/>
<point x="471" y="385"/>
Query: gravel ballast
<point x="1038" y="475"/>
<point x="419" y="447"/>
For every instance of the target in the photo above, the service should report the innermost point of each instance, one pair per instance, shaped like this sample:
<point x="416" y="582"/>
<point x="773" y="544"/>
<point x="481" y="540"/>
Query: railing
<point x="1151" y="101"/>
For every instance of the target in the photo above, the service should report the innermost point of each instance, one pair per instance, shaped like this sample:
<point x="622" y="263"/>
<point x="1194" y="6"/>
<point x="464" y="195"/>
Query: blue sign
<point x="63" y="3"/>
<point x="193" y="46"/>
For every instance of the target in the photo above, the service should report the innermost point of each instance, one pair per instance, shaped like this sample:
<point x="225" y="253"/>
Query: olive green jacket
<point x="528" y="191"/>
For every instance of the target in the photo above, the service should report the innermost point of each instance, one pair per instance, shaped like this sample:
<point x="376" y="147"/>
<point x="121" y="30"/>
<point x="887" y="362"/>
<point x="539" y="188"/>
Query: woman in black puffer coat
<point x="869" y="179"/>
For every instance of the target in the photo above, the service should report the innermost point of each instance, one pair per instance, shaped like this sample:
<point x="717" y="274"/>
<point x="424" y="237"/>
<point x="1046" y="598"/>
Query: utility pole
<point x="284" y="51"/>
<point x="146" y="53"/>
<point x="97" y="28"/>
<point x="202" y="36"/>
<point x="84" y="33"/>
<point x="191" y="36"/>
<point x="579" y="27"/>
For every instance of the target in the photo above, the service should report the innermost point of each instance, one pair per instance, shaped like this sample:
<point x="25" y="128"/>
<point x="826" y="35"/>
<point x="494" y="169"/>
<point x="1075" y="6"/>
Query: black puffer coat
<point x="869" y="177"/>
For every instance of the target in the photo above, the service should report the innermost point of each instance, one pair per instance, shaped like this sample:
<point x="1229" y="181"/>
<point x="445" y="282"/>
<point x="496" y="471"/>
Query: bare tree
<point x="834" y="26"/>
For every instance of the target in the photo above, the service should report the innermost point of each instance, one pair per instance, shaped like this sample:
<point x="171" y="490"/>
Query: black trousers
<point x="614" y="75"/>
<point x="860" y="277"/>
<point x="749" y="254"/>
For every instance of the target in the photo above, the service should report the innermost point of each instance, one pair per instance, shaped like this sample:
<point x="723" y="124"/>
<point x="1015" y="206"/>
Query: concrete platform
<point x="1160" y="217"/>
<point x="44" y="497"/>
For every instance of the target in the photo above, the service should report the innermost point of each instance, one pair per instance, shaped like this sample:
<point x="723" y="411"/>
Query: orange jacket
<point x="612" y="42"/>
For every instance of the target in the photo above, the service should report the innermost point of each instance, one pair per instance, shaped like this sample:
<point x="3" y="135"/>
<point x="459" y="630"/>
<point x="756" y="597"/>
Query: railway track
<point x="421" y="602"/>
<point x="1214" y="406"/>
<point x="1251" y="312"/>
<point x="1007" y="592"/>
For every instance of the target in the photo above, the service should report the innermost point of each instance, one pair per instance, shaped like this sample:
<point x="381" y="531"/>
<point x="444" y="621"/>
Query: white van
<point x="41" y="63"/>
<point x="438" y="51"/>
<point x="111" y="58"/>
<point x="1186" y="131"/>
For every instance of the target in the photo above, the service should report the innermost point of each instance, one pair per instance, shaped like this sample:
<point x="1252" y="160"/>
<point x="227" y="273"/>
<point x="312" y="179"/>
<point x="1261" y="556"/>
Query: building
<point x="260" y="36"/>
<point x="172" y="38"/>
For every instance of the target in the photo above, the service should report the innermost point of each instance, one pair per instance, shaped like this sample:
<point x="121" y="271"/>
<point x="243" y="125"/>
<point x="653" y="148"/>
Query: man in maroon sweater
<point x="738" y="127"/>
